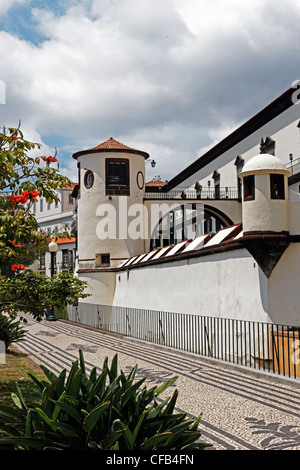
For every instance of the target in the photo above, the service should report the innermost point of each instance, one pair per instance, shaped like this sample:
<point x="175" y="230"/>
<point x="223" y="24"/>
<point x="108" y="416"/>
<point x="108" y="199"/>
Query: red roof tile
<point x="110" y="145"/>
<point x="155" y="183"/>
<point x="61" y="241"/>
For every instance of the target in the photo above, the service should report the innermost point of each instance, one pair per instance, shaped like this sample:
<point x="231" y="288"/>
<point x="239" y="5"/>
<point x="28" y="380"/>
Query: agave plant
<point x="109" y="411"/>
<point x="10" y="331"/>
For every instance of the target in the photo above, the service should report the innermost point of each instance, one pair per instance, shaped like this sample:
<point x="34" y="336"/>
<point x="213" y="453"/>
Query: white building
<point x="220" y="239"/>
<point x="55" y="218"/>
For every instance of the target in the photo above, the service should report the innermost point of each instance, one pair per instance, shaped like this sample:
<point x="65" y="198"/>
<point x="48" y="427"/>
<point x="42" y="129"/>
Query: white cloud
<point x="6" y="5"/>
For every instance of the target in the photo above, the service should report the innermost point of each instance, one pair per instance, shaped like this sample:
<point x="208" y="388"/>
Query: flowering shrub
<point x="25" y="196"/>
<point x="22" y="181"/>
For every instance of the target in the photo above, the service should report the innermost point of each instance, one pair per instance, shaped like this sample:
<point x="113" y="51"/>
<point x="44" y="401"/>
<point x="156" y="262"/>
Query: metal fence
<point x="190" y="193"/>
<point x="294" y="166"/>
<point x="263" y="346"/>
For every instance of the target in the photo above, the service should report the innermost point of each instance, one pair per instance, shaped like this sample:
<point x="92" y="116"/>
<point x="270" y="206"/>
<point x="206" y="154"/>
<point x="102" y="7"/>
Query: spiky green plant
<point x="10" y="331"/>
<point x="109" y="411"/>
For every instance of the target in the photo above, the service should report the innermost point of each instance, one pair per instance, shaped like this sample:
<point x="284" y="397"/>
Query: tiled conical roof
<point x="110" y="145"/>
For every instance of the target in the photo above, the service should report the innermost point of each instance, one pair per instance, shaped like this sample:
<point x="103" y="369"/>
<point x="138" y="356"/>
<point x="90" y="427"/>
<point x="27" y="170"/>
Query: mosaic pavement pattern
<point x="240" y="411"/>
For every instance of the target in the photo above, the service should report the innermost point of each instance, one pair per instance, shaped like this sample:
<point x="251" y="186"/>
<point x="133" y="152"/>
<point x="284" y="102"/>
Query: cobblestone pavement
<point x="240" y="410"/>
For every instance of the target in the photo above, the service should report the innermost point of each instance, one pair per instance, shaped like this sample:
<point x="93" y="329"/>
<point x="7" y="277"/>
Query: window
<point x="67" y="260"/>
<point x="88" y="179"/>
<point x="216" y="178"/>
<point x="42" y="261"/>
<point x="102" y="259"/>
<point x="117" y="176"/>
<point x="249" y="189"/>
<point x="239" y="163"/>
<point x="277" y="186"/>
<point x="41" y="204"/>
<point x="267" y="146"/>
<point x="71" y="200"/>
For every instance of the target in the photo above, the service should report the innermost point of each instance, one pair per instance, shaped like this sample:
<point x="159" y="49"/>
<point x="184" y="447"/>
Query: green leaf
<point x="6" y="410"/>
<point x="74" y="384"/>
<point x="109" y="441"/>
<point x="130" y="393"/>
<point x="139" y="424"/>
<point x="46" y="418"/>
<point x="70" y="410"/>
<point x="165" y="385"/>
<point x="28" y="429"/>
<point x="98" y="386"/>
<point x="127" y="434"/>
<point x="113" y="371"/>
<point x="93" y="417"/>
<point x="23" y="442"/>
<point x="82" y="363"/>
<point x="152" y="442"/>
<point x="48" y="373"/>
<point x="171" y="405"/>
<point x="93" y="374"/>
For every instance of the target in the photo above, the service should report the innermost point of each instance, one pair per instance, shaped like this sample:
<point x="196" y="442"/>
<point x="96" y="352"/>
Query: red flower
<point x="3" y="386"/>
<point x="34" y="194"/>
<point x="5" y="393"/>
<point x="19" y="244"/>
<point x="18" y="267"/>
<point x="24" y="197"/>
<point x="49" y="159"/>
<point x="13" y="137"/>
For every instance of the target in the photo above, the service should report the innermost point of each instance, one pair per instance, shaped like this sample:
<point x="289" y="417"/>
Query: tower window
<point x="117" y="176"/>
<point x="277" y="186"/>
<point x="249" y="188"/>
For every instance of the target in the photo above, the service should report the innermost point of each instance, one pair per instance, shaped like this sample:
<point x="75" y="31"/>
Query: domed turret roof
<point x="264" y="163"/>
<point x="111" y="145"/>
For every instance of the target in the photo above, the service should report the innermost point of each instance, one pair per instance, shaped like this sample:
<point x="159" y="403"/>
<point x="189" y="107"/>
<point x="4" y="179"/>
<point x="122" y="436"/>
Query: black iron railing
<point x="294" y="166"/>
<point x="190" y="193"/>
<point x="264" y="346"/>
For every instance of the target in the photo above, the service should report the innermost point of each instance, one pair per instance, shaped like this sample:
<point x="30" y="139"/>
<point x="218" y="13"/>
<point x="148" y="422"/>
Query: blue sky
<point x="20" y="21"/>
<point x="171" y="78"/>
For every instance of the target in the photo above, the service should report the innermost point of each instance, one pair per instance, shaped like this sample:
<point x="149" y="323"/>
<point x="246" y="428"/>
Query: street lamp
<point x="53" y="249"/>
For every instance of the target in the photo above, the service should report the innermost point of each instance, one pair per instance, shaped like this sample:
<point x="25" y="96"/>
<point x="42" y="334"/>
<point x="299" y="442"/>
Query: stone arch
<point x="193" y="220"/>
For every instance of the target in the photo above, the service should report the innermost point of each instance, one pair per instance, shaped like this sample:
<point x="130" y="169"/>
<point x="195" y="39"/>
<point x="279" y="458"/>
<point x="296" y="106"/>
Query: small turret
<point x="265" y="195"/>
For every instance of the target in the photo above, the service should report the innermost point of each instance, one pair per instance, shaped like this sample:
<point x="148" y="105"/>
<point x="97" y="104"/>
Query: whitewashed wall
<point x="225" y="285"/>
<point x="228" y="285"/>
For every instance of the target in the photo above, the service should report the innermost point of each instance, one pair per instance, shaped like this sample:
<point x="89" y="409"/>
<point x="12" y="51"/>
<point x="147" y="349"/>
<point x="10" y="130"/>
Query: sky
<point x="169" y="77"/>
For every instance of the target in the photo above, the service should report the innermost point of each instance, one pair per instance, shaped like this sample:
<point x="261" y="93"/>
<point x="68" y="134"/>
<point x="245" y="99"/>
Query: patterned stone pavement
<point x="240" y="410"/>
